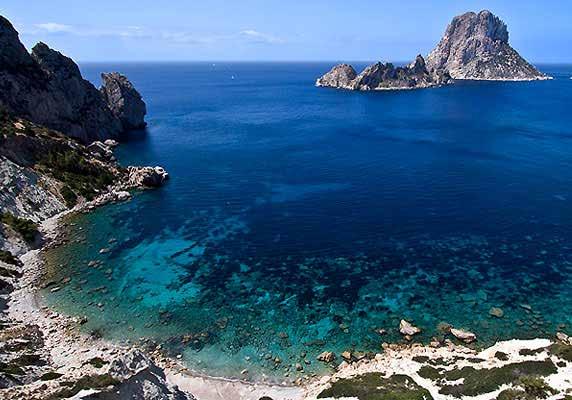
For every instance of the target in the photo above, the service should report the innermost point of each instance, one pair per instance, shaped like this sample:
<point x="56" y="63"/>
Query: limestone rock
<point x="124" y="100"/>
<point x="381" y="76"/>
<point x="146" y="176"/>
<point x="564" y="338"/>
<point x="464" y="336"/>
<point x="496" y="312"/>
<point x="327" y="357"/>
<point x="476" y="46"/>
<point x="46" y="87"/>
<point x="100" y="150"/>
<point x="13" y="54"/>
<point x="111" y="143"/>
<point x="407" y="329"/>
<point x="340" y="76"/>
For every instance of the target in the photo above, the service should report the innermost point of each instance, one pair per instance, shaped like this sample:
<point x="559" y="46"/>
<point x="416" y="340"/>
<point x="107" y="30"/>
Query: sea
<point x="299" y="220"/>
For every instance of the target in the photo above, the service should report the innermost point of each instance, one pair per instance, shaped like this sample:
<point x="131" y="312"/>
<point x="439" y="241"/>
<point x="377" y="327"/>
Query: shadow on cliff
<point x="135" y="135"/>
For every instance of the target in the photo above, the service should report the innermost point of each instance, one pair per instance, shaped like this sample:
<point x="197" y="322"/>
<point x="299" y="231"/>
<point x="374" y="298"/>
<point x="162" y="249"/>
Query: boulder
<point x="476" y="46"/>
<point x="496" y="312"/>
<point x="464" y="336"/>
<point x="326" y="356"/>
<point x="564" y="338"/>
<point x="407" y="329"/>
<point x="146" y="176"/>
<point x="111" y="143"/>
<point x="124" y="100"/>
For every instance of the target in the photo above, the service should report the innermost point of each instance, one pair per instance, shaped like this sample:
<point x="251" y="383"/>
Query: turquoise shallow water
<point x="300" y="220"/>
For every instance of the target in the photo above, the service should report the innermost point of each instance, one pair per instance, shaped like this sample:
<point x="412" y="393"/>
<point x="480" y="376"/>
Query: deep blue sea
<point x="300" y="219"/>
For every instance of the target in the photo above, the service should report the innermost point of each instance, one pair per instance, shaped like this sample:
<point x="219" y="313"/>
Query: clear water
<point x="300" y="219"/>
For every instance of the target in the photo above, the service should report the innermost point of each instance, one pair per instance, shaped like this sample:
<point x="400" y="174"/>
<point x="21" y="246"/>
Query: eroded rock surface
<point x="124" y="100"/>
<point x="146" y="176"/>
<point x="476" y="46"/>
<point x="341" y="76"/>
<point x="380" y="76"/>
<point x="46" y="87"/>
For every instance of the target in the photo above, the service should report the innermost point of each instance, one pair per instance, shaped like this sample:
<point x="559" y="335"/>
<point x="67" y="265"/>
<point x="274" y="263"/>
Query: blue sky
<point x="142" y="30"/>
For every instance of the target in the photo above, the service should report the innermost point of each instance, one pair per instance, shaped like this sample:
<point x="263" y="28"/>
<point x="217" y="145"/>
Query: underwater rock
<point x="326" y="356"/>
<point x="496" y="312"/>
<point x="465" y="336"/>
<point x="407" y="329"/>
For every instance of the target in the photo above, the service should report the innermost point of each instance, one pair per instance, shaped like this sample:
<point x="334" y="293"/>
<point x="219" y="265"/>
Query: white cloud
<point x="53" y="27"/>
<point x="260" y="37"/>
<point x="172" y="37"/>
<point x="187" y="38"/>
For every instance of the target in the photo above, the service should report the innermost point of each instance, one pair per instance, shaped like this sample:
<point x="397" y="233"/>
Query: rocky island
<point x="474" y="47"/>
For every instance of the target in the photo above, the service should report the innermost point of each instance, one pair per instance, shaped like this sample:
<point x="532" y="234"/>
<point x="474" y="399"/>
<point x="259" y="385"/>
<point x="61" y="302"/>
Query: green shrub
<point x="69" y="196"/>
<point x="26" y="228"/>
<point x="8" y="258"/>
<point x="79" y="175"/>
<point x="536" y="387"/>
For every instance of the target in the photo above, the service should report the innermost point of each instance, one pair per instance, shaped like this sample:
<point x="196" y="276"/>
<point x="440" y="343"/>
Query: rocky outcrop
<point x="465" y="336"/>
<point x="475" y="46"/>
<point x="146" y="176"/>
<point x="407" y="329"/>
<point x="124" y="100"/>
<point x="46" y="87"/>
<point x="341" y="76"/>
<point x="381" y="76"/>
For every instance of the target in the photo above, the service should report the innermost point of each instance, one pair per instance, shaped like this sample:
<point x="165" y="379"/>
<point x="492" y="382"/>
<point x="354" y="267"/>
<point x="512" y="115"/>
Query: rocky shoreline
<point x="139" y="371"/>
<point x="88" y="367"/>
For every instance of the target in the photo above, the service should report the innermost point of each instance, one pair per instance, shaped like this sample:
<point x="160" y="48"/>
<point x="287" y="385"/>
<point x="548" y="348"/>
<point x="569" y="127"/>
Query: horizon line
<point x="568" y="62"/>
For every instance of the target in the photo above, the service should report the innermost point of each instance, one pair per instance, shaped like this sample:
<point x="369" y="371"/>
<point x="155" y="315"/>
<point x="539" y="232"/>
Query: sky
<point x="277" y="30"/>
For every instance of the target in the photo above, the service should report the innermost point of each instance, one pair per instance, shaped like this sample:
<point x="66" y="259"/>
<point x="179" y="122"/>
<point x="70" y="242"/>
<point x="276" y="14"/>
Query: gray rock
<point x="124" y="100"/>
<point x="100" y="150"/>
<point x="475" y="46"/>
<point x="381" y="76"/>
<point x="47" y="88"/>
<point x="146" y="176"/>
<point x="465" y="336"/>
<point x="340" y="76"/>
<point x="407" y="329"/>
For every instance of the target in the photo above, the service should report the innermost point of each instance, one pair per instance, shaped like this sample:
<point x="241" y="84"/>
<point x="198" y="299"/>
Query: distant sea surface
<point x="300" y="220"/>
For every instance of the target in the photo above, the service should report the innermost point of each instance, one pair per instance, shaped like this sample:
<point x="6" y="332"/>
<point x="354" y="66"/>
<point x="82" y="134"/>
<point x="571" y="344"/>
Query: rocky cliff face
<point x="47" y="88"/>
<point x="381" y="76"/>
<point x="124" y="100"/>
<point x="475" y="46"/>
